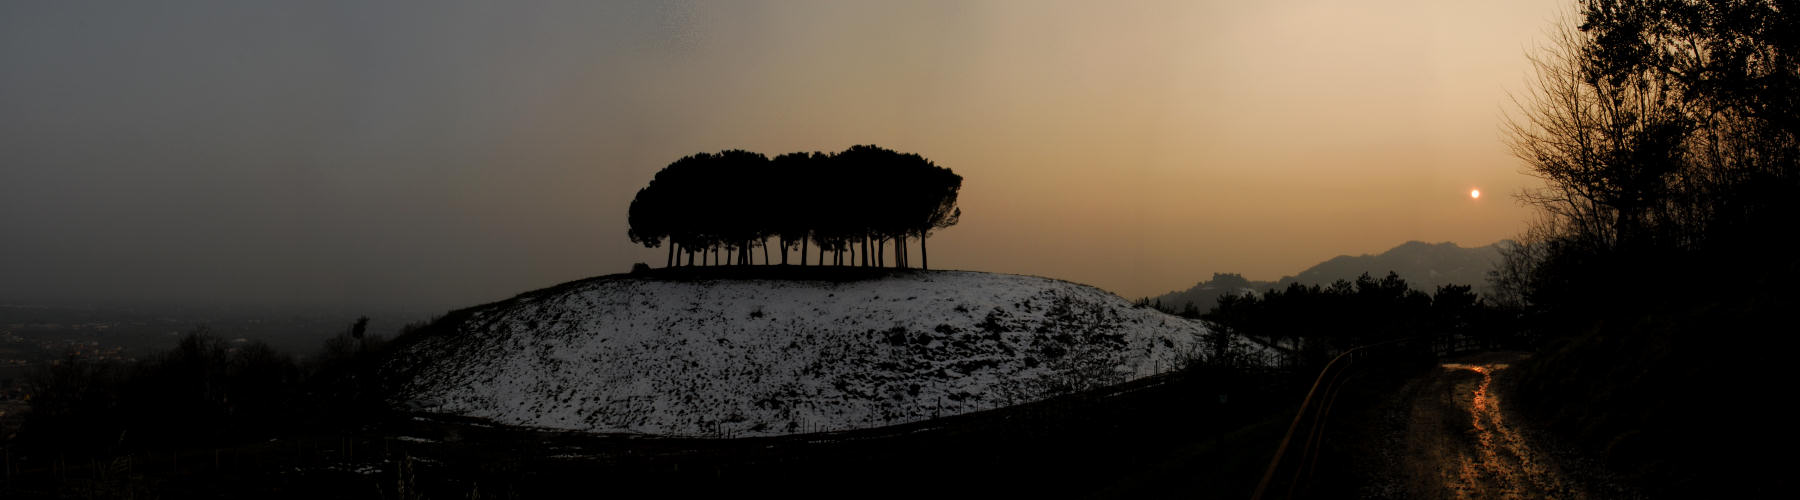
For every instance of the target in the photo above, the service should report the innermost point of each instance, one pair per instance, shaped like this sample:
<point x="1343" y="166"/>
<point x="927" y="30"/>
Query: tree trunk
<point x="671" y="260"/>
<point x="924" y="255"/>
<point x="784" y="250"/>
<point x="803" y="242"/>
<point x="765" y="243"/>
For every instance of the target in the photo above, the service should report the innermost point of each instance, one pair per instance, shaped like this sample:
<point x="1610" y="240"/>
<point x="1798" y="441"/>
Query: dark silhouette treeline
<point x="1316" y="322"/>
<point x="718" y="208"/>
<point x="1668" y="137"/>
<point x="206" y="391"/>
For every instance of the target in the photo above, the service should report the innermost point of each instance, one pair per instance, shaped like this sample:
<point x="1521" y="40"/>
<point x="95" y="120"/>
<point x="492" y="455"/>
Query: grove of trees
<point x="720" y="208"/>
<point x="1320" y="321"/>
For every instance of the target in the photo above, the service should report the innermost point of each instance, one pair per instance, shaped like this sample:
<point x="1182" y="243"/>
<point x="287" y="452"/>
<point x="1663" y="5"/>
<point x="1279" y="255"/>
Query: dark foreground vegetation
<point x="94" y="427"/>
<point x="204" y="391"/>
<point x="1668" y="134"/>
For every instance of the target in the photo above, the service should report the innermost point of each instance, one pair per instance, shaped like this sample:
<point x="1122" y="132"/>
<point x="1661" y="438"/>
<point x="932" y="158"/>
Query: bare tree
<point x="1605" y="143"/>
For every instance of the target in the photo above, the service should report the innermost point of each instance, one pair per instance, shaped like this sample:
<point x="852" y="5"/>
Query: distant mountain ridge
<point x="1424" y="266"/>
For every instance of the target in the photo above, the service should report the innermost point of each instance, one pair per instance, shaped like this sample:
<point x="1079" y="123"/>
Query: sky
<point x="442" y="154"/>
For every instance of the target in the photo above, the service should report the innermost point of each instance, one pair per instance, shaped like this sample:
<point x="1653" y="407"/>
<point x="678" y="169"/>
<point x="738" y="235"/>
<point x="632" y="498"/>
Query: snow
<point x="734" y="358"/>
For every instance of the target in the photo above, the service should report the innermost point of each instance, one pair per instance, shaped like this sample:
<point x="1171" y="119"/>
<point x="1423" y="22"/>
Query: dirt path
<point x="1452" y="436"/>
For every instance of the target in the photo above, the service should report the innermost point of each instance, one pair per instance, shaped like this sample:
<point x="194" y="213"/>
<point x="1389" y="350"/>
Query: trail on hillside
<point x="1453" y="436"/>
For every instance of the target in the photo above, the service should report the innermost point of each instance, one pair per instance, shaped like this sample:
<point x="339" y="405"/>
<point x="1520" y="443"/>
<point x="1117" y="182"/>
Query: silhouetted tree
<point x="647" y="218"/>
<point x="1668" y="136"/>
<point x="849" y="204"/>
<point x="1666" y="132"/>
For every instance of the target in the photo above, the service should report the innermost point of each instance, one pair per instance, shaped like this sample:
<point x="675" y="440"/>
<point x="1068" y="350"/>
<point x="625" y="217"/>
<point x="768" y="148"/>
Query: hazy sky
<point x="438" y="154"/>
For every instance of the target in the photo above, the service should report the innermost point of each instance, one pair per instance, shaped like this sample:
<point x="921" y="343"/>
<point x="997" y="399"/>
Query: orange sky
<point x="1142" y="147"/>
<point x="357" y="153"/>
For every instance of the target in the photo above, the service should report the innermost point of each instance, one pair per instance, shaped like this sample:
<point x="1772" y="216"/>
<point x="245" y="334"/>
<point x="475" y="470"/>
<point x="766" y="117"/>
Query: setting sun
<point x="1475" y="193"/>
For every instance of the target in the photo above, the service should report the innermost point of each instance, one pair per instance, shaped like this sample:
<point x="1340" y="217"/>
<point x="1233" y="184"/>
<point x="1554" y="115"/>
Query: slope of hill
<point x="1424" y="266"/>
<point x="747" y="357"/>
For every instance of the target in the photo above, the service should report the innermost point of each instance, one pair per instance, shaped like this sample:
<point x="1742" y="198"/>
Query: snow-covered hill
<point x="747" y="357"/>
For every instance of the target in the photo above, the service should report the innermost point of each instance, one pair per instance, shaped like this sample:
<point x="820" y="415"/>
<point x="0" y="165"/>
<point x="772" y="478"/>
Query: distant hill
<point x="1424" y="266"/>
<point x="746" y="357"/>
<point x="1203" y="295"/>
